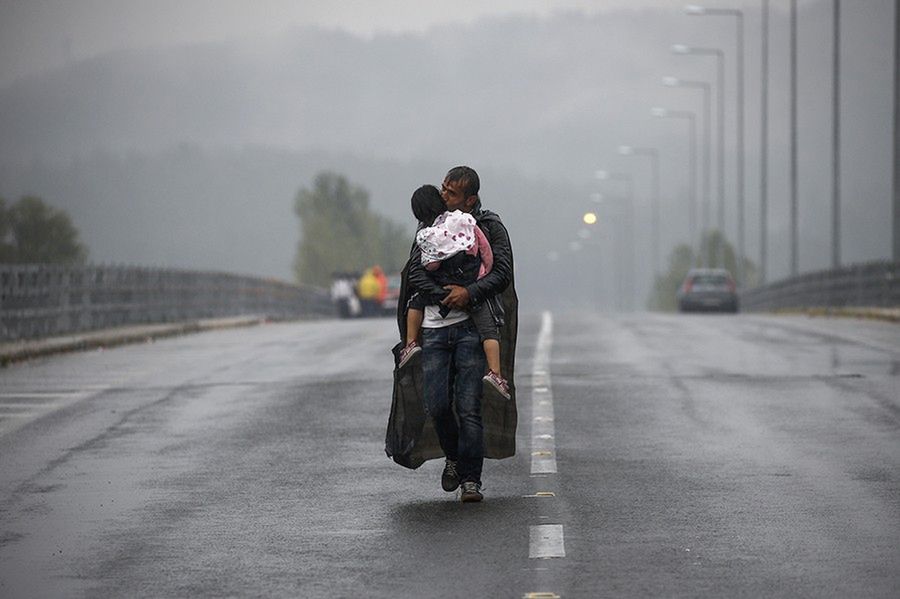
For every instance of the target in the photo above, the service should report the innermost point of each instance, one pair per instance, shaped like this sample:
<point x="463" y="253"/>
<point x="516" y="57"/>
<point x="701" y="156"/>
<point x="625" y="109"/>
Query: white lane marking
<point x="42" y="395"/>
<point x="19" y="408"/>
<point x="543" y="446"/>
<point x="546" y="540"/>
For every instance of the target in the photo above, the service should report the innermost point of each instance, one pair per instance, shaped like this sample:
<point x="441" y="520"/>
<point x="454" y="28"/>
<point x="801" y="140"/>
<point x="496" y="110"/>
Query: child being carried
<point x="454" y="252"/>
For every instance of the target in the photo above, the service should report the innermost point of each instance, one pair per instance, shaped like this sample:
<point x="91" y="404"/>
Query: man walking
<point x="453" y="362"/>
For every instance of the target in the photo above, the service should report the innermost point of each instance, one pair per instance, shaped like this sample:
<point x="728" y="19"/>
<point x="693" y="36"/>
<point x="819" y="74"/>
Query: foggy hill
<point x="232" y="209"/>
<point x="191" y="156"/>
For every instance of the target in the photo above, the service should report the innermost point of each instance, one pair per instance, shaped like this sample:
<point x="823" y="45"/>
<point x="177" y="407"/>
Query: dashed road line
<point x="38" y="395"/>
<point x="17" y="408"/>
<point x="543" y="445"/>
<point x="546" y="541"/>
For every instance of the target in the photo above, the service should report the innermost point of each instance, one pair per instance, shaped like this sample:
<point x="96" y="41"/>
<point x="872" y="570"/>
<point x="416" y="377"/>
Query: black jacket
<point x="493" y="283"/>
<point x="459" y="269"/>
<point x="411" y="439"/>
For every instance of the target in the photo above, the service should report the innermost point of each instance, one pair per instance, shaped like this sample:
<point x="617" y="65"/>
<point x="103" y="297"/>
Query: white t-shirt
<point x="433" y="318"/>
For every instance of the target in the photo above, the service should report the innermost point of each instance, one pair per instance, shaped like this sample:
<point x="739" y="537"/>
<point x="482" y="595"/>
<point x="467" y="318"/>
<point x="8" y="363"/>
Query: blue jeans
<point x="453" y="364"/>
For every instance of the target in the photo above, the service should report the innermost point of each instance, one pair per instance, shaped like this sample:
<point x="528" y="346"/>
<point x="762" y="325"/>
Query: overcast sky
<point x="40" y="34"/>
<point x="245" y="108"/>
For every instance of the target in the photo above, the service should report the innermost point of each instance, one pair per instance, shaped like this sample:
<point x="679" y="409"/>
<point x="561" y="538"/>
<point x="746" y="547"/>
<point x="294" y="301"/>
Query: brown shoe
<point x="471" y="492"/>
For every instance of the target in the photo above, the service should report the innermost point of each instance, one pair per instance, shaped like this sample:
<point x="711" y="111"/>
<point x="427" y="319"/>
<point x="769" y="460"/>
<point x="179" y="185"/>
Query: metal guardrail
<point x="873" y="284"/>
<point x="45" y="300"/>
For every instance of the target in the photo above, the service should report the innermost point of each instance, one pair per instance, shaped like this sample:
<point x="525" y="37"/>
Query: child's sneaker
<point x="497" y="382"/>
<point x="407" y="353"/>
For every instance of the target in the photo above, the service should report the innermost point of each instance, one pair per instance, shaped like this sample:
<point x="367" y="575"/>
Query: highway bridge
<point x="692" y="455"/>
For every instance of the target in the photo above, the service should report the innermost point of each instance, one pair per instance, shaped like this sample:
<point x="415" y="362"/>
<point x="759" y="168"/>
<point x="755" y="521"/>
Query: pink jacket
<point x="451" y="233"/>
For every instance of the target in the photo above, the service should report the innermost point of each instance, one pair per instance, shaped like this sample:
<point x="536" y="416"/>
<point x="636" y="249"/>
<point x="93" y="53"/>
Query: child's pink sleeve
<point x="485" y="251"/>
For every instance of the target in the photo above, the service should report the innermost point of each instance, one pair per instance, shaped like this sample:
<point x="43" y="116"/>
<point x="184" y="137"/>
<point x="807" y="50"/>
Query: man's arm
<point x="496" y="281"/>
<point x="418" y="276"/>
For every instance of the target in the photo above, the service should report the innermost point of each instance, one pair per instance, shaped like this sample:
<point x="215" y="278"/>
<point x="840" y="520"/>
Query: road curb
<point x="882" y="314"/>
<point x="26" y="350"/>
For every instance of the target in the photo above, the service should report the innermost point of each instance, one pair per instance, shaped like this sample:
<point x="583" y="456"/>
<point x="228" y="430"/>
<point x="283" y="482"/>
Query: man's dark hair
<point x="465" y="176"/>
<point x="427" y="204"/>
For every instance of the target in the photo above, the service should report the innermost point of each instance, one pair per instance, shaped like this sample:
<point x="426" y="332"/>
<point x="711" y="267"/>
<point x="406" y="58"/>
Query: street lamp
<point x="795" y="262"/>
<point x="764" y="145"/>
<point x="692" y="161"/>
<point x="676" y="82"/>
<point x="696" y="10"/>
<point x="836" y="140"/>
<point x="623" y="237"/>
<point x="720" y="130"/>
<point x="653" y="154"/>
<point x="895" y="254"/>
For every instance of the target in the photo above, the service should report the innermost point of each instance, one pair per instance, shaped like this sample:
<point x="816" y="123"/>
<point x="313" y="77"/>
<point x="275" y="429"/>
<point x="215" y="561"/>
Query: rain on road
<point x="694" y="456"/>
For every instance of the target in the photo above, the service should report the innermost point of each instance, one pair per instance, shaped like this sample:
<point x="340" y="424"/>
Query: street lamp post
<point x="720" y="130"/>
<point x="739" y="17"/>
<point x="653" y="154"/>
<point x="676" y="82"/>
<point x="692" y="161"/>
<point x="764" y="146"/>
<point x="836" y="141"/>
<point x="896" y="228"/>
<point x="795" y="263"/>
<point x="604" y="175"/>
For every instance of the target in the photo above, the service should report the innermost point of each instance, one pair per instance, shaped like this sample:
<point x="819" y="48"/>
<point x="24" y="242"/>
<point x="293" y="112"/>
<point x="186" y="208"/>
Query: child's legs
<point x="415" y="315"/>
<point x="490" y="335"/>
<point x="492" y="354"/>
<point x="414" y="318"/>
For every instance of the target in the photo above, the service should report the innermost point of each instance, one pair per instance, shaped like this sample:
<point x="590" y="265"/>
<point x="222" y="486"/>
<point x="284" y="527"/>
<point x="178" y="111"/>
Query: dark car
<point x="708" y="289"/>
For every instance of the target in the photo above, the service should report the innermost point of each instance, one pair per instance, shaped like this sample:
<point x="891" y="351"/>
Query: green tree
<point x="665" y="286"/>
<point x="338" y="232"/>
<point x="33" y="232"/>
<point x="683" y="258"/>
<point x="7" y="249"/>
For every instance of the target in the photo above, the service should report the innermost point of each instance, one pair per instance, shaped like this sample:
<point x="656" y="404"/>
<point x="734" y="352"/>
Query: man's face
<point x="455" y="198"/>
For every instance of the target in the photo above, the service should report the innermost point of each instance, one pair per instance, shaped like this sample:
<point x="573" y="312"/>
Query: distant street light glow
<point x="590" y="218"/>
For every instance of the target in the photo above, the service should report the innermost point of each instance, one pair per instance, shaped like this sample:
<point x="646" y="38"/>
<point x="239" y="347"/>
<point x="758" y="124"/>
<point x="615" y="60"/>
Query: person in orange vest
<point x="368" y="289"/>
<point x="382" y="284"/>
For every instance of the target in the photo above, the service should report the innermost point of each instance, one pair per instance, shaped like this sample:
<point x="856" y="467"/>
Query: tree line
<point x="338" y="233"/>
<point x="32" y="231"/>
<point x="684" y="257"/>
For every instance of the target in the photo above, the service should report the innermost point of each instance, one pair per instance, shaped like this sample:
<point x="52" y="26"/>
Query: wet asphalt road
<point x="697" y="455"/>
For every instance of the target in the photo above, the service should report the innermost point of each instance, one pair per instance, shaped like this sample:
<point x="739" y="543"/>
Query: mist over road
<point x="698" y="455"/>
